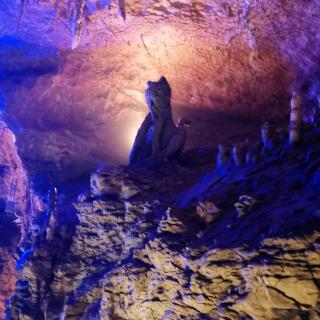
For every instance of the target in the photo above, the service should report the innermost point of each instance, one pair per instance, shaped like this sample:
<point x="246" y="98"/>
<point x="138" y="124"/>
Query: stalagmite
<point x="51" y="227"/>
<point x="52" y="210"/>
<point x="252" y="155"/>
<point x="158" y="138"/>
<point x="295" y="119"/>
<point x="267" y="135"/>
<point x="238" y="155"/>
<point x="249" y="156"/>
<point x="223" y="156"/>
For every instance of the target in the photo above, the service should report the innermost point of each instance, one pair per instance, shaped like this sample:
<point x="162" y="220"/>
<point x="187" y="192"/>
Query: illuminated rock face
<point x="151" y="256"/>
<point x="232" y="65"/>
<point x="17" y="203"/>
<point x="82" y="107"/>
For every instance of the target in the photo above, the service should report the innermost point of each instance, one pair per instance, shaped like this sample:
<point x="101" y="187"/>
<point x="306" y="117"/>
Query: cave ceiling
<point x="74" y="72"/>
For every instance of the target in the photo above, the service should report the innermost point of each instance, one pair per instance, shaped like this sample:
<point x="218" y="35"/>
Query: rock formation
<point x="238" y="155"/>
<point x="237" y="59"/>
<point x="267" y="134"/>
<point x="295" y="119"/>
<point x="158" y="138"/>
<point x="238" y="239"/>
<point x="18" y="206"/>
<point x="223" y="156"/>
<point x="175" y="248"/>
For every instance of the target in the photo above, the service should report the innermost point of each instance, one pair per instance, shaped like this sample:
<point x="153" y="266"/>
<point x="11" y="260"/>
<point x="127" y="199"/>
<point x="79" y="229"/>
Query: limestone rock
<point x="18" y="206"/>
<point x="208" y="211"/>
<point x="158" y="139"/>
<point x="135" y="259"/>
<point x="171" y="223"/>
<point x="216" y="56"/>
<point x="244" y="205"/>
<point x="113" y="183"/>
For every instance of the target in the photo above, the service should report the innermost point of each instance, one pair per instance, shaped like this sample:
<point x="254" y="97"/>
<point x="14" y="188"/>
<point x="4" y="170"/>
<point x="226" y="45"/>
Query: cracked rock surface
<point x="18" y="205"/>
<point x="150" y="256"/>
<point x="73" y="109"/>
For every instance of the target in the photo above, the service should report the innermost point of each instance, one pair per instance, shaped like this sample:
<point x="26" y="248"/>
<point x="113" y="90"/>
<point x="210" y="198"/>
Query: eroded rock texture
<point x="75" y="109"/>
<point x="18" y="204"/>
<point x="158" y="139"/>
<point x="142" y="251"/>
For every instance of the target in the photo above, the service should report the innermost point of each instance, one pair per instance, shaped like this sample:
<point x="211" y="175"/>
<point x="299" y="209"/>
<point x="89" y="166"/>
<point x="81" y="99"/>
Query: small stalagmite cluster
<point x="217" y="218"/>
<point x="239" y="240"/>
<point x="244" y="153"/>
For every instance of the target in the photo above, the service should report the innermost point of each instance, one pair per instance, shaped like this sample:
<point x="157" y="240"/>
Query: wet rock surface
<point x="151" y="256"/>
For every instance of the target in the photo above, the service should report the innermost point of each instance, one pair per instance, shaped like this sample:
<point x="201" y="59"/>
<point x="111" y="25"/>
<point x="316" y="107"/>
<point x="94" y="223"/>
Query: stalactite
<point x="76" y="11"/>
<point x="77" y="15"/>
<point x="77" y="21"/>
<point x="23" y="7"/>
<point x="122" y="8"/>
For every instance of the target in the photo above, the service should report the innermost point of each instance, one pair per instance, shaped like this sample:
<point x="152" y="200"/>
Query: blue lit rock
<point x="18" y="205"/>
<point x="231" y="66"/>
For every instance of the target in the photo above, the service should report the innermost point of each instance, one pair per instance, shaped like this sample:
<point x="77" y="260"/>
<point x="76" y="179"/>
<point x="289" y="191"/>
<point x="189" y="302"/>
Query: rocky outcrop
<point x="18" y="205"/>
<point x="151" y="255"/>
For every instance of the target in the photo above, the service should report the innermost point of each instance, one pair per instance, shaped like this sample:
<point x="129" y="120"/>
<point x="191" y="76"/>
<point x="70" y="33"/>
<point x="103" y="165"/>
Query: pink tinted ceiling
<point x="80" y="107"/>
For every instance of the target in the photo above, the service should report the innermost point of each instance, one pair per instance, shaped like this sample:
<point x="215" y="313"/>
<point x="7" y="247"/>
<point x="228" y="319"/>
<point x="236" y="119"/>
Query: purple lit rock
<point x="78" y="108"/>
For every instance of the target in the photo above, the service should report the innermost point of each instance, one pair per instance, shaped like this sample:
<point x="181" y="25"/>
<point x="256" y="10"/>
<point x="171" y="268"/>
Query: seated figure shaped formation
<point x="158" y="138"/>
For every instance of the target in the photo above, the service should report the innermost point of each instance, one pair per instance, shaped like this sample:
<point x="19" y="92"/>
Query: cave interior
<point x="209" y="209"/>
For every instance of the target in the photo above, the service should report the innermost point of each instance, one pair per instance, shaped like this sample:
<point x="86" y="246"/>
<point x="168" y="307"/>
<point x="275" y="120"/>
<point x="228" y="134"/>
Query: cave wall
<point x="18" y="205"/>
<point x="235" y="243"/>
<point x="79" y="108"/>
<point x="231" y="64"/>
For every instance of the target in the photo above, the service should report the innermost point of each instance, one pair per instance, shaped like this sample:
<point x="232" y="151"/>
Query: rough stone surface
<point x="150" y="257"/>
<point x="158" y="139"/>
<point x="75" y="109"/>
<point x="18" y="205"/>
